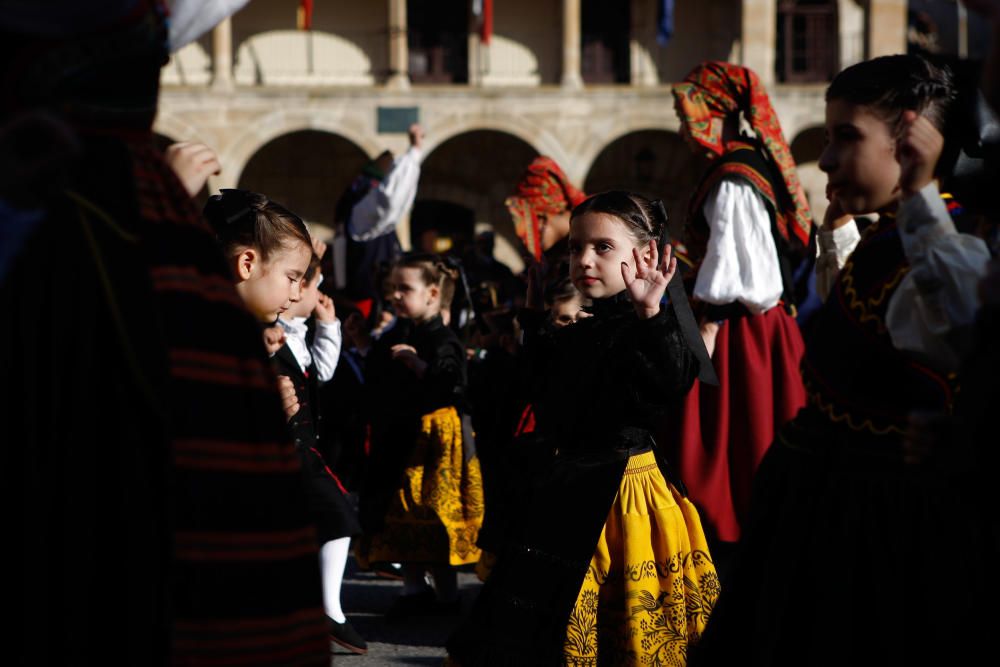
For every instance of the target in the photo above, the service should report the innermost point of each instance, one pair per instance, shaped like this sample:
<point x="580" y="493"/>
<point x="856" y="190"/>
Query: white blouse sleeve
<point x="939" y="294"/>
<point x="326" y="349"/>
<point x="741" y="261"/>
<point x="833" y="247"/>
<point x="381" y="209"/>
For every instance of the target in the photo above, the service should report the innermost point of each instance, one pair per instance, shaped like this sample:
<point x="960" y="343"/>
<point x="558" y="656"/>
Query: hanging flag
<point x="486" y="21"/>
<point x="305" y="14"/>
<point x="665" y="22"/>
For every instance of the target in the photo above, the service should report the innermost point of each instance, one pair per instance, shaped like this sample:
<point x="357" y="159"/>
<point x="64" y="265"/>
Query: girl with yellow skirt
<point x="422" y="505"/>
<point x="605" y="563"/>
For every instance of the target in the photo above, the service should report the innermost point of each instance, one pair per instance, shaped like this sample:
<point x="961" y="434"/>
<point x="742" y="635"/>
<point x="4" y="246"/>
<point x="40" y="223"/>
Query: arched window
<point x="807" y="49"/>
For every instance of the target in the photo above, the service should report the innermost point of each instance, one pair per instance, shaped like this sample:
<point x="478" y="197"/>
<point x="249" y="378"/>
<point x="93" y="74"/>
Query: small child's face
<point x="270" y="287"/>
<point x="859" y="158"/>
<point x="309" y="296"/>
<point x="598" y="246"/>
<point x="412" y="297"/>
<point x="564" y="313"/>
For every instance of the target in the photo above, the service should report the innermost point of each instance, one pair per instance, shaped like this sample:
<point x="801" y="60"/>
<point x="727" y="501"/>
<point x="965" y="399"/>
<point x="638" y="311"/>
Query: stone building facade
<point x="295" y="114"/>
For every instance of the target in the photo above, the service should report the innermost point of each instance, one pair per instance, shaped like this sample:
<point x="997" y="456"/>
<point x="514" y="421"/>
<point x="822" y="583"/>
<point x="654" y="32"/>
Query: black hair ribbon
<point x="682" y="309"/>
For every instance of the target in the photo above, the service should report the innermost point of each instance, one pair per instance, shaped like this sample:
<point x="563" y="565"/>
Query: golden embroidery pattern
<point x="436" y="514"/>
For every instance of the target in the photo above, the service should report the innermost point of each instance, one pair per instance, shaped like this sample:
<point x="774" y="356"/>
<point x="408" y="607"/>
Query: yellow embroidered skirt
<point x="651" y="584"/>
<point x="435" y="516"/>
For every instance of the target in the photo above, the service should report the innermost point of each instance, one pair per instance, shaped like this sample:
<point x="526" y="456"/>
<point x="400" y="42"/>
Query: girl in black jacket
<point x="606" y="563"/>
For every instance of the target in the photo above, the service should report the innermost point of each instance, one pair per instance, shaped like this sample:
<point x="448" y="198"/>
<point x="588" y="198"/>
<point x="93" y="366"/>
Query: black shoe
<point x="345" y="635"/>
<point x="415" y="604"/>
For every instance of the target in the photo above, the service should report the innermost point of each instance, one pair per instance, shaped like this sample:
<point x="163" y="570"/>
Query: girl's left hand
<point x="407" y="354"/>
<point x="918" y="149"/>
<point x="648" y="282"/>
<point x="325" y="310"/>
<point x="319" y="246"/>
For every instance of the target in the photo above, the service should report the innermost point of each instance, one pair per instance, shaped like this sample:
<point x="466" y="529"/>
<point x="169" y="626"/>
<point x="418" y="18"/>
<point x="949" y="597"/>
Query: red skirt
<point x="726" y="430"/>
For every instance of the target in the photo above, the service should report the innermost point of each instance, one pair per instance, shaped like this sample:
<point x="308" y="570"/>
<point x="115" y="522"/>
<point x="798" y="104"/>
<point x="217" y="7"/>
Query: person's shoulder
<point x="445" y="335"/>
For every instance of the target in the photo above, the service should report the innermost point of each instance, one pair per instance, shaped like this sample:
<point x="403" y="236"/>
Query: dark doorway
<point x="441" y="226"/>
<point x="438" y="41"/>
<point x="305" y="171"/>
<point x="604" y="48"/>
<point x="654" y="163"/>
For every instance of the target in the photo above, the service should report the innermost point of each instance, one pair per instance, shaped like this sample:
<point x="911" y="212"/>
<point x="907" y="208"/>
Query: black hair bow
<point x="229" y="207"/>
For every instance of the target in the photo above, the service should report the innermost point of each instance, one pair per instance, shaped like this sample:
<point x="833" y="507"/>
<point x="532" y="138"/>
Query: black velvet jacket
<point x="396" y="399"/>
<point x="597" y="387"/>
<point x="326" y="499"/>
<point x="395" y="392"/>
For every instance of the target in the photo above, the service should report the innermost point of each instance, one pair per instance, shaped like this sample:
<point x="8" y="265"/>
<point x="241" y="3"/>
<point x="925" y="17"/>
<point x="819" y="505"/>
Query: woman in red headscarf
<point x="749" y="223"/>
<point x="541" y="204"/>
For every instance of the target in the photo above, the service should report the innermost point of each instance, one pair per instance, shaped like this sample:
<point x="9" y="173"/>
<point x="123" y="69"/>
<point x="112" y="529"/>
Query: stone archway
<point x="654" y="163"/>
<point x="477" y="170"/>
<point x="443" y="128"/>
<point x="305" y="171"/>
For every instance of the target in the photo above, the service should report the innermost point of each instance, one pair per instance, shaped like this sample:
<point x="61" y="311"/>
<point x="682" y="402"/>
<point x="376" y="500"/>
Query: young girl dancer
<point x="268" y="249"/>
<point x="849" y="552"/>
<point x="423" y="504"/>
<point x="270" y="252"/>
<point x="309" y="365"/>
<point x="606" y="561"/>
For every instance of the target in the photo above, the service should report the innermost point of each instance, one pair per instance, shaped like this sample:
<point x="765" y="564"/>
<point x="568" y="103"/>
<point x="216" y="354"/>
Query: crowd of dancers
<point x="760" y="439"/>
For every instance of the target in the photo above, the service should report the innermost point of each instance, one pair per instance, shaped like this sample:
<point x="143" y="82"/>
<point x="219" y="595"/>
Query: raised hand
<point x="325" y="310"/>
<point x="834" y="218"/>
<point x="416" y="133"/>
<point x="193" y="163"/>
<point x="917" y="150"/>
<point x="319" y="246"/>
<point x="648" y="281"/>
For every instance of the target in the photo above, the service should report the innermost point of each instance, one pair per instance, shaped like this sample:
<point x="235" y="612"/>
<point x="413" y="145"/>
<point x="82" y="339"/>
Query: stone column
<point x="759" y="38"/>
<point x="399" y="57"/>
<point x="571" y="45"/>
<point x="642" y="44"/>
<point x="851" y="17"/>
<point x="885" y="28"/>
<point x="222" y="56"/>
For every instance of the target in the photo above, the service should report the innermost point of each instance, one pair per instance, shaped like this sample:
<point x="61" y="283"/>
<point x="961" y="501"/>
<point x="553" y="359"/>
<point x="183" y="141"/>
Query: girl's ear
<point x="434" y="291"/>
<point x="646" y="253"/>
<point x="246" y="263"/>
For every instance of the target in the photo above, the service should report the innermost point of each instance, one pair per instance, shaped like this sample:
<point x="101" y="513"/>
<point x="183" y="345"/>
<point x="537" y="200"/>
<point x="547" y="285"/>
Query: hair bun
<point x="231" y="206"/>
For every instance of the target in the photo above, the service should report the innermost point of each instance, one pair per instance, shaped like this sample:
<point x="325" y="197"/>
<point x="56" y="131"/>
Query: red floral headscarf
<point x="712" y="91"/>
<point x="544" y="190"/>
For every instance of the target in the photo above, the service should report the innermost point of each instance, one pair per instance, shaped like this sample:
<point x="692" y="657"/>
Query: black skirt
<point x="850" y="557"/>
<point x="331" y="508"/>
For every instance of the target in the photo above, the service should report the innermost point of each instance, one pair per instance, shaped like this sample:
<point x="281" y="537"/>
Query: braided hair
<point x="434" y="271"/>
<point x="244" y="219"/>
<point x="640" y="215"/>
